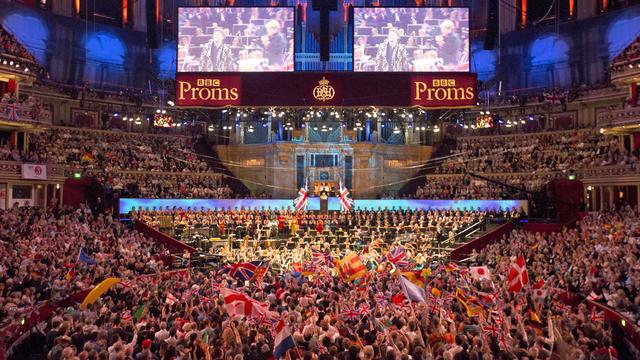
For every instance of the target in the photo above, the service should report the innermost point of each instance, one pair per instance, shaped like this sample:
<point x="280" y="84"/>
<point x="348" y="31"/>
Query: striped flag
<point x="351" y="267"/>
<point x="171" y="299"/>
<point x="283" y="340"/>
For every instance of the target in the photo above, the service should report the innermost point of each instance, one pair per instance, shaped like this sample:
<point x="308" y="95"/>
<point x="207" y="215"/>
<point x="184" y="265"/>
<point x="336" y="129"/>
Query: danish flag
<point x="518" y="275"/>
<point x="301" y="201"/>
<point x="345" y="202"/>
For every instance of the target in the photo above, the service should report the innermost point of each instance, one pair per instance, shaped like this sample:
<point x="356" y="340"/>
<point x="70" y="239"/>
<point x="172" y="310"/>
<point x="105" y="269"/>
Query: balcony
<point x="620" y="117"/>
<point x="17" y="115"/>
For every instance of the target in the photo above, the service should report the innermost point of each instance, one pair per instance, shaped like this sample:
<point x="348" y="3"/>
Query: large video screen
<point x="228" y="39"/>
<point x="411" y="39"/>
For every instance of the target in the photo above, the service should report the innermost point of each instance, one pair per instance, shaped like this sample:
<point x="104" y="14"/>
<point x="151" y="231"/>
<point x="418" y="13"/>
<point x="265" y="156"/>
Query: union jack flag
<point x="397" y="256"/>
<point x="560" y="307"/>
<point x="320" y="258"/>
<point x="12" y="111"/>
<point x="345" y="202"/>
<point x="300" y="202"/>
<point x="351" y="314"/>
<point x="381" y="299"/>
<point x="491" y="329"/>
<point x="244" y="271"/>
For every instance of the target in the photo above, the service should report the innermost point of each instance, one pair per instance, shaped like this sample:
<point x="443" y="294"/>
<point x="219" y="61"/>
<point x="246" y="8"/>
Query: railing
<point x="23" y="114"/>
<point x="618" y="117"/>
<point x="12" y="170"/>
<point x="463" y="251"/>
<point x="173" y="245"/>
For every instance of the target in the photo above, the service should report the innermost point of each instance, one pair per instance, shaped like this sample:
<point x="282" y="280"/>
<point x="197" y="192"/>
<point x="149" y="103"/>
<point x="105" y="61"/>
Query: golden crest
<point x="323" y="91"/>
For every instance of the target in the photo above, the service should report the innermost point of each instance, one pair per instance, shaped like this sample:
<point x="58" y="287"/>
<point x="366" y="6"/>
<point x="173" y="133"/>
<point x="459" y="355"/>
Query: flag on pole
<point x="518" y="275"/>
<point x="283" y="340"/>
<point x="237" y="303"/>
<point x="300" y="202"/>
<point x="412" y="291"/>
<point x="321" y="258"/>
<point x="345" y="202"/>
<point x="246" y="270"/>
<point x="85" y="258"/>
<point x="480" y="272"/>
<point x="351" y="267"/>
<point x="396" y="255"/>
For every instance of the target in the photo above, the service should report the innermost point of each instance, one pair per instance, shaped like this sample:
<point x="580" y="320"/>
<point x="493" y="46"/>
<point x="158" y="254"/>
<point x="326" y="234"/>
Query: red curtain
<point x="12" y="86"/>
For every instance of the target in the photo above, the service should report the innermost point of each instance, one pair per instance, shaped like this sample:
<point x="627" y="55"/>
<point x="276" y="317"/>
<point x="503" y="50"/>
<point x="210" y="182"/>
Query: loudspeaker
<point x="493" y="20"/>
<point x="152" y="24"/>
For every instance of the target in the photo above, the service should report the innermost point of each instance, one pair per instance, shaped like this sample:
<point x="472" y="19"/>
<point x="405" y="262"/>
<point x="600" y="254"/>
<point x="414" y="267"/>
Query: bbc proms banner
<point x="428" y="90"/>
<point x="34" y="172"/>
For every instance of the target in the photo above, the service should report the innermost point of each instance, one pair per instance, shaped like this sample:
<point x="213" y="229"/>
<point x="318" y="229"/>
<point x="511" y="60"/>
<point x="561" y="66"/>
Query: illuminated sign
<point x="428" y="90"/>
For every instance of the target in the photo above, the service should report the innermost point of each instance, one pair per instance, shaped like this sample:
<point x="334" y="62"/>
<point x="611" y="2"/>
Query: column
<point x="139" y="16"/>
<point x="507" y="15"/>
<point x="586" y="8"/>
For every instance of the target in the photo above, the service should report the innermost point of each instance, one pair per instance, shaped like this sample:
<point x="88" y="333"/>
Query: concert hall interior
<point x="319" y="179"/>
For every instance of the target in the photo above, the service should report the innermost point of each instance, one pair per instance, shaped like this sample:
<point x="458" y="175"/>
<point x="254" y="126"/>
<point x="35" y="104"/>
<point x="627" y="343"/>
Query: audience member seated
<point x="460" y="188"/>
<point x="10" y="45"/>
<point x="166" y="186"/>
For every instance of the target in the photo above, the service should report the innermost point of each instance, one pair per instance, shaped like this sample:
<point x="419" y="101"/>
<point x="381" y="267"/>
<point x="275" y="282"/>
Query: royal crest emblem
<point x="324" y="91"/>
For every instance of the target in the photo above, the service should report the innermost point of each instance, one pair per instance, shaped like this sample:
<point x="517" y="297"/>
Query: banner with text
<point x="428" y="90"/>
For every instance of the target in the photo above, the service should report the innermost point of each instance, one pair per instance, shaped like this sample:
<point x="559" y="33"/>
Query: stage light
<point x="178" y="125"/>
<point x="125" y="118"/>
<point x="244" y="115"/>
<point x="26" y="69"/>
<point x="157" y="111"/>
<point x="488" y="112"/>
<point x="436" y="129"/>
<point x="170" y="103"/>
<point x="164" y="111"/>
<point x="337" y="116"/>
<point x="481" y="112"/>
<point x="224" y="111"/>
<point x="522" y="121"/>
<point x="57" y="186"/>
<point x="315" y="128"/>
<point x="11" y="63"/>
<point x="404" y="115"/>
<point x="116" y="114"/>
<point x="77" y="175"/>
<point x="288" y="123"/>
<point x="423" y="128"/>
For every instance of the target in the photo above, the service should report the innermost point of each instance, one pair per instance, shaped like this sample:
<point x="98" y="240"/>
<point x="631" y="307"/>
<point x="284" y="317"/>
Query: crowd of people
<point x="10" y="45"/>
<point x="40" y="255"/>
<point x="466" y="314"/>
<point x="459" y="188"/>
<point x="572" y="150"/>
<point x="630" y="56"/>
<point x="172" y="186"/>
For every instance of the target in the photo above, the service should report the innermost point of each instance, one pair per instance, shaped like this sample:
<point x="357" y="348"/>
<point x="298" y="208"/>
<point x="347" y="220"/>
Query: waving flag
<point x="397" y="255"/>
<point x="518" y="275"/>
<point x="597" y="316"/>
<point x="171" y="299"/>
<point x="351" y="267"/>
<point x="492" y="330"/>
<point x="283" y="340"/>
<point x="300" y="202"/>
<point x="82" y="256"/>
<point x="412" y="291"/>
<point x="321" y="258"/>
<point x="480" y="272"/>
<point x="246" y="270"/>
<point x="351" y="314"/>
<point x="345" y="202"/>
<point x="237" y="303"/>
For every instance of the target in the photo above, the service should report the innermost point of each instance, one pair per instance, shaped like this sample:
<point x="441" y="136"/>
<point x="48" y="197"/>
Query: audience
<point x="465" y="316"/>
<point x="10" y="45"/>
<point x="39" y="255"/>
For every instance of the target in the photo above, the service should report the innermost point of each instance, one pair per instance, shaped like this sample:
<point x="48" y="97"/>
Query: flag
<point x="351" y="267"/>
<point x="70" y="274"/>
<point x="351" y="314"/>
<point x="244" y="271"/>
<point x="554" y="98"/>
<point x="321" y="258"/>
<point x="412" y="291"/>
<point x="562" y="308"/>
<point x="300" y="202"/>
<point x="534" y="317"/>
<point x="237" y="303"/>
<point x="83" y="257"/>
<point x="593" y="296"/>
<point x="518" y="275"/>
<point x="126" y="316"/>
<point x="469" y="306"/>
<point x="480" y="272"/>
<point x="345" y="202"/>
<point x="396" y="255"/>
<point x="597" y="316"/>
<point x="451" y="267"/>
<point x="416" y="277"/>
<point x="539" y="291"/>
<point x="171" y="299"/>
<point x="364" y="309"/>
<point x="283" y="340"/>
<point x="12" y="111"/>
<point x="139" y="312"/>
<point x="34" y="171"/>
<point x="491" y="329"/>
<point x="260" y="271"/>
